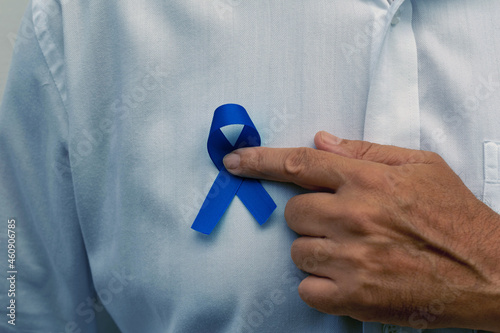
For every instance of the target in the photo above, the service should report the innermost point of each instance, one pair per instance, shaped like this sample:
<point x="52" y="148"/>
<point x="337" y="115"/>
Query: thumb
<point x="364" y="150"/>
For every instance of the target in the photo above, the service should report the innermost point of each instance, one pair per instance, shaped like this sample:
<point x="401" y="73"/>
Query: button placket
<point x="392" y="110"/>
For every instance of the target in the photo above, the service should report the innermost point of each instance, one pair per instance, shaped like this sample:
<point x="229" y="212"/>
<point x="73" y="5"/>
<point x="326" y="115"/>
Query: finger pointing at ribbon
<point x="306" y="167"/>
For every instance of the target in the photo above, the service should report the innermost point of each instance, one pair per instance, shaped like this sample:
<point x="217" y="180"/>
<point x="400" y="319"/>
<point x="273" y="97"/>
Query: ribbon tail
<point x="217" y="201"/>
<point x="256" y="199"/>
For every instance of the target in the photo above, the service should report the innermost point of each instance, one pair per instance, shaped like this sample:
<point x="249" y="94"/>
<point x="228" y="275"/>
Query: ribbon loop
<point x="226" y="186"/>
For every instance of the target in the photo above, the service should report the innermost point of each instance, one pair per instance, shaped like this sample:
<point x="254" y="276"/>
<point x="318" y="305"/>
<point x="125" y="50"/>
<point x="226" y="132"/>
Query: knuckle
<point x="360" y="300"/>
<point x="363" y="220"/>
<point x="296" y="162"/>
<point x="399" y="184"/>
<point x="425" y="156"/>
<point x="256" y="159"/>
<point x="297" y="251"/>
<point x="375" y="178"/>
<point x="308" y="254"/>
<point x="321" y="253"/>
<point x="291" y="209"/>
<point x="296" y="207"/>
<point x="434" y="157"/>
<point x="417" y="156"/>
<point x="367" y="150"/>
<point x="250" y="159"/>
<point x="294" y="203"/>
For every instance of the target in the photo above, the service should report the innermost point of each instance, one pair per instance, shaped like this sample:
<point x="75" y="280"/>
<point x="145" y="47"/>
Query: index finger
<point x="306" y="167"/>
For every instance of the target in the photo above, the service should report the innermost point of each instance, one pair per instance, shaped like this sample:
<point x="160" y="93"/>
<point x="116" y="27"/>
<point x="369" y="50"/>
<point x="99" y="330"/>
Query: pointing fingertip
<point x="231" y="161"/>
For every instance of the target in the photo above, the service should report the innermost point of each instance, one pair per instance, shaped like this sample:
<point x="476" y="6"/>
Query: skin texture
<point x="390" y="235"/>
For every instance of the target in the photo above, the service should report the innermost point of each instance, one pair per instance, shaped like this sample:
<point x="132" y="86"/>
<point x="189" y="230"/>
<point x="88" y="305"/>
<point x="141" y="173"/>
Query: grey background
<point x="11" y="12"/>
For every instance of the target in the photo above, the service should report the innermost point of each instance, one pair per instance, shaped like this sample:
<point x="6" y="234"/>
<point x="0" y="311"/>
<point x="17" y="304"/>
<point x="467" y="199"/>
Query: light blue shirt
<point x="103" y="159"/>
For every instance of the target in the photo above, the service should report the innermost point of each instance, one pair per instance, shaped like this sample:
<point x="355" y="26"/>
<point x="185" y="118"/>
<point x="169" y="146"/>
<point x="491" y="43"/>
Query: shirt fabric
<point x="104" y="166"/>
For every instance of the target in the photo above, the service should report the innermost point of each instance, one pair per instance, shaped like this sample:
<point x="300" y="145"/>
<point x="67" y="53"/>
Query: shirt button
<point x="391" y="329"/>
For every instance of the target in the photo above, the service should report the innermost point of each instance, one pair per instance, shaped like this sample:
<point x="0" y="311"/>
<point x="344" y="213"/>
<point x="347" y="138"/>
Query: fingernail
<point x="231" y="161"/>
<point x="330" y="138"/>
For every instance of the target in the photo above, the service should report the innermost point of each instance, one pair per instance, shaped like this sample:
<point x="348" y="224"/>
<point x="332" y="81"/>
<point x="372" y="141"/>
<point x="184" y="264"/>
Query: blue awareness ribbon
<point x="226" y="186"/>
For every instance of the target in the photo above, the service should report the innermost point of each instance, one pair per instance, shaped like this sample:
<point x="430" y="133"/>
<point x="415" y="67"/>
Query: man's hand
<point x="392" y="235"/>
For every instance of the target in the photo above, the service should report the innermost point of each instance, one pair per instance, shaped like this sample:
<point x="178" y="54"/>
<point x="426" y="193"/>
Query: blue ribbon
<point x="226" y="186"/>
